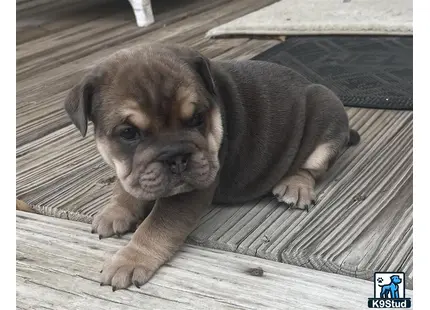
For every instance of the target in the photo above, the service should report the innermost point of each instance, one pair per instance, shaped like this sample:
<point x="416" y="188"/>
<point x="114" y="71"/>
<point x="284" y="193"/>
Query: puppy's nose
<point x="178" y="163"/>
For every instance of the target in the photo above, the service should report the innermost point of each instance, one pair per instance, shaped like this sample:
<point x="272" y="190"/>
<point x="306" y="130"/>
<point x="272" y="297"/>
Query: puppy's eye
<point x="129" y="133"/>
<point x="197" y="120"/>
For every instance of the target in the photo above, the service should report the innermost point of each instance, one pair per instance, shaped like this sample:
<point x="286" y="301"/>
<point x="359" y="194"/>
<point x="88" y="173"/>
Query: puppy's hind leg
<point x="328" y="124"/>
<point x="298" y="189"/>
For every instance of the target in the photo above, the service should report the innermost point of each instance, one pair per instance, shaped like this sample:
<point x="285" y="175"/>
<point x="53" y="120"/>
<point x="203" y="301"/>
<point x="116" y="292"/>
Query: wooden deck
<point x="58" y="263"/>
<point x="361" y="224"/>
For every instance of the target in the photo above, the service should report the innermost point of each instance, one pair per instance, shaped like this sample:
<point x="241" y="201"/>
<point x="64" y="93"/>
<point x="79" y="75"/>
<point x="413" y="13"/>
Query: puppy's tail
<point x="354" y="137"/>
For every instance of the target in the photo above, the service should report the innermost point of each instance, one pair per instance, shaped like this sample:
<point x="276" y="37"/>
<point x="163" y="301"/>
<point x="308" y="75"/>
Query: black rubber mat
<point x="367" y="72"/>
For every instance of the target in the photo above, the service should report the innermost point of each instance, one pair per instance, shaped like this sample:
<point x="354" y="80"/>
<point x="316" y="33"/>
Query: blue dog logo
<point x="390" y="290"/>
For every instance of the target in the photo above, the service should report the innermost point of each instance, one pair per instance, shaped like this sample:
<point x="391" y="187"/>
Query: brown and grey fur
<point x="265" y="128"/>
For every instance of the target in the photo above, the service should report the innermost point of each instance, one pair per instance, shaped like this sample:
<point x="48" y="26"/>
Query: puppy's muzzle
<point x="176" y="158"/>
<point x="178" y="163"/>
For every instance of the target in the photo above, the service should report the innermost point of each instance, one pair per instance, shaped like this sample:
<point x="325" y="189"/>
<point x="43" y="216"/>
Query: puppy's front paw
<point x="114" y="220"/>
<point x="296" y="191"/>
<point x="128" y="266"/>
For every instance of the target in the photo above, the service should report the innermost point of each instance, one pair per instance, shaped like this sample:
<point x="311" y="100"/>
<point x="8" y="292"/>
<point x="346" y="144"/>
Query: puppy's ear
<point x="79" y="101"/>
<point x="203" y="67"/>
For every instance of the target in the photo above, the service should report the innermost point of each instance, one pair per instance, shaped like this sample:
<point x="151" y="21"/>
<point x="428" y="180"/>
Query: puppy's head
<point x="156" y="119"/>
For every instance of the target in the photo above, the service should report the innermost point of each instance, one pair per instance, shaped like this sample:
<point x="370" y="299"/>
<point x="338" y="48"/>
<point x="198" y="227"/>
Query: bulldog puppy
<point x="183" y="131"/>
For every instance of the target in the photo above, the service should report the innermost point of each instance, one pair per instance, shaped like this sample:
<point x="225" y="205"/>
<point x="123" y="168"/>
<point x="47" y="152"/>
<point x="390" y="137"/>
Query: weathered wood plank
<point x="57" y="269"/>
<point x="87" y="38"/>
<point x="36" y="19"/>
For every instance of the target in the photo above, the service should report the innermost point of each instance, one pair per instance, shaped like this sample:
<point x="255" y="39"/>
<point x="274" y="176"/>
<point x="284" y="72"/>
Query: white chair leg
<point x="143" y="12"/>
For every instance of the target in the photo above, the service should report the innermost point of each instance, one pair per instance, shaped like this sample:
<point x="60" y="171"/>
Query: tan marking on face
<point x="216" y="132"/>
<point x="133" y="112"/>
<point x="103" y="149"/>
<point x="120" y="168"/>
<point x="320" y="157"/>
<point x="187" y="98"/>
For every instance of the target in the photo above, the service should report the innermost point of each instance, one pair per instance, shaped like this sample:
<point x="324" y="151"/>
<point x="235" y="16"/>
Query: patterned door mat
<point x="364" y="71"/>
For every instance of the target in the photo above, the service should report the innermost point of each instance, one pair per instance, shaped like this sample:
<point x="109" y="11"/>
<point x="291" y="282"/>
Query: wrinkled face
<point x="158" y="126"/>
